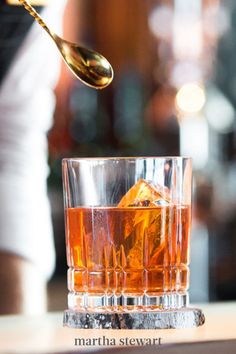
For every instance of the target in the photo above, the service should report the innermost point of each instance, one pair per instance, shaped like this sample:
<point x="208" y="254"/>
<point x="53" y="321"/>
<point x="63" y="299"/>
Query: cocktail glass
<point x="127" y="224"/>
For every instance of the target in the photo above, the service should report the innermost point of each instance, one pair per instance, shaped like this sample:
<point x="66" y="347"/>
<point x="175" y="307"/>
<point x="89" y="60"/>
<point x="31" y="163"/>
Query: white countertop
<point x="45" y="334"/>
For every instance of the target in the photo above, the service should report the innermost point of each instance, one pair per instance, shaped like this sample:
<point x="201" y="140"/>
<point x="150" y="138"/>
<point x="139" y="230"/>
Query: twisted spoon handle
<point x="36" y="16"/>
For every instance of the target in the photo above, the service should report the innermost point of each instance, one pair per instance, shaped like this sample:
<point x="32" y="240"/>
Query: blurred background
<point x="174" y="93"/>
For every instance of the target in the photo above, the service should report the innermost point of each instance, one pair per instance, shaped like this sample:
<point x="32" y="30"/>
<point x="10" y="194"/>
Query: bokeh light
<point x="190" y="98"/>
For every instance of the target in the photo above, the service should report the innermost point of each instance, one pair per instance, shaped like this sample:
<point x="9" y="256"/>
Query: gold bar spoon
<point x="87" y="65"/>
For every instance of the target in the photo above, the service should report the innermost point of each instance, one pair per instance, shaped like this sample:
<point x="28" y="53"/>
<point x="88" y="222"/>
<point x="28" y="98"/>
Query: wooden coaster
<point x="181" y="318"/>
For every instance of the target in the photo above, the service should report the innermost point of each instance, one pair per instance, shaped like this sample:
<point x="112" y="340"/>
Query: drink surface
<point x="128" y="250"/>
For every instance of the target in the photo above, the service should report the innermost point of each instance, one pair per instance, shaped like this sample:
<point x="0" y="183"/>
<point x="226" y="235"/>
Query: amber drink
<point x="127" y="234"/>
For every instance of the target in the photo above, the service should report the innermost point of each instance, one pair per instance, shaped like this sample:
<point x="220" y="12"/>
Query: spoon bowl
<point x="90" y="67"/>
<point x="87" y="65"/>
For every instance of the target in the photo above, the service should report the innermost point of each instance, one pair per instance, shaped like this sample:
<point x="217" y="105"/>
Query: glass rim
<point x="126" y="158"/>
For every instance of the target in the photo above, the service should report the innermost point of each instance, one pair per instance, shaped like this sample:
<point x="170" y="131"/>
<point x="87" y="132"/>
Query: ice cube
<point x="144" y="229"/>
<point x="145" y="194"/>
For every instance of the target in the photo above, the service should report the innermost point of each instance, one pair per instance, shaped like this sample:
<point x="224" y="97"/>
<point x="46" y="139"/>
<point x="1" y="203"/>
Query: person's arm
<point x="23" y="288"/>
<point x="27" y="255"/>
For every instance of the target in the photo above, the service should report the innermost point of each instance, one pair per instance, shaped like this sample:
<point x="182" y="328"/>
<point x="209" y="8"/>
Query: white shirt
<point x="26" y="111"/>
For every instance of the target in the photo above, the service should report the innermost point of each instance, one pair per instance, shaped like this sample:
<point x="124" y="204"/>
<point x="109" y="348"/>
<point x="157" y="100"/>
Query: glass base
<point x="161" y="319"/>
<point x="126" y="302"/>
